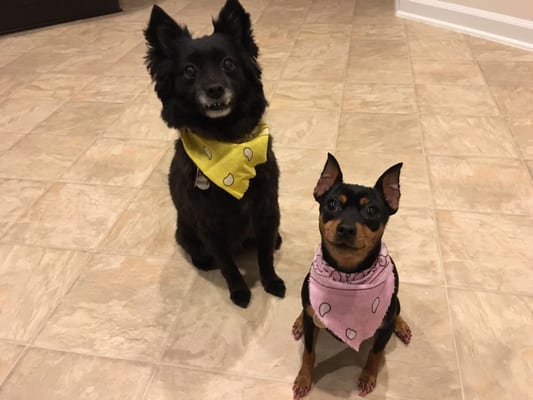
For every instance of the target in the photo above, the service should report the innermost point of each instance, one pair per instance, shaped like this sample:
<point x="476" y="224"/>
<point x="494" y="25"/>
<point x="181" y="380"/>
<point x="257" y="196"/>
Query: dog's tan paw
<point x="367" y="383"/>
<point x="402" y="330"/>
<point x="298" y="328"/>
<point x="302" y="385"/>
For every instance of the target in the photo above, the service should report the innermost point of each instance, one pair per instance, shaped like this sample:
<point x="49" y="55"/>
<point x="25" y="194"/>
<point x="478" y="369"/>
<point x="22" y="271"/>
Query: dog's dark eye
<point x="228" y="64"/>
<point x="332" y="204"/>
<point x="371" y="211"/>
<point x="189" y="72"/>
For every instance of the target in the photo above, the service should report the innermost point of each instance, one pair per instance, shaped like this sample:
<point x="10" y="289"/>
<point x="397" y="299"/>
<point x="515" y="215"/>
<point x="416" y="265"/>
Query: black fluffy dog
<point x="211" y="91"/>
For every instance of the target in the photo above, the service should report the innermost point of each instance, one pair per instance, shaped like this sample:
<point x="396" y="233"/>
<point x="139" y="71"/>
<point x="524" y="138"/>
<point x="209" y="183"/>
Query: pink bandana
<point x="352" y="306"/>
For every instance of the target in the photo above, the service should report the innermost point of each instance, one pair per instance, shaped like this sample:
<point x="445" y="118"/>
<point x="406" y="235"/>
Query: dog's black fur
<point x="212" y="86"/>
<point x="352" y="222"/>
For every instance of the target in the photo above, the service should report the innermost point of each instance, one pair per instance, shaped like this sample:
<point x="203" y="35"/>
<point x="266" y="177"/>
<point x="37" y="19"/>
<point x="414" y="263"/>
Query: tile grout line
<point x="502" y="115"/>
<point x="345" y="74"/>
<point x="435" y="227"/>
<point x="13" y="367"/>
<point x="61" y="300"/>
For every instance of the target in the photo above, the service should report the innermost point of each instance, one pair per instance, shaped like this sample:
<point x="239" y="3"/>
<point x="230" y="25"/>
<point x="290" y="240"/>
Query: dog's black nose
<point x="345" y="230"/>
<point x="215" y="91"/>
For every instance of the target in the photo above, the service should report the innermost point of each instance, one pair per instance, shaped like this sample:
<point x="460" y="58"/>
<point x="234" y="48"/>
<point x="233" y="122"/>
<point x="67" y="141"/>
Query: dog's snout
<point x="345" y="230"/>
<point x="215" y="91"/>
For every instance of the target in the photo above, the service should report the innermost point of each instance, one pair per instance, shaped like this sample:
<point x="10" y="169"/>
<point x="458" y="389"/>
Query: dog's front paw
<point x="402" y="330"/>
<point x="203" y="262"/>
<point x="367" y="383"/>
<point x="298" y="327"/>
<point x="302" y="385"/>
<point x="275" y="286"/>
<point x="241" y="297"/>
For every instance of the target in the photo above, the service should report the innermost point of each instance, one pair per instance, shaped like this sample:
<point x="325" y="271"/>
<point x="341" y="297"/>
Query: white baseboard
<point x="501" y="28"/>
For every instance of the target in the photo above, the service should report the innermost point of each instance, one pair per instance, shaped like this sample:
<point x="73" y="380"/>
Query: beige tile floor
<point x="98" y="302"/>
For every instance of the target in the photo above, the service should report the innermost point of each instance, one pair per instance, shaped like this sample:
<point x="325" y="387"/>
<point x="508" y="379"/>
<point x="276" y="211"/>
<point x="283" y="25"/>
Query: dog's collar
<point x="351" y="305"/>
<point x="228" y="165"/>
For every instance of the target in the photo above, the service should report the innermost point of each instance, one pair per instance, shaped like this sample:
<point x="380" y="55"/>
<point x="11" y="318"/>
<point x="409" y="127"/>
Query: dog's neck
<point x="225" y="138"/>
<point x="367" y="262"/>
<point x="229" y="131"/>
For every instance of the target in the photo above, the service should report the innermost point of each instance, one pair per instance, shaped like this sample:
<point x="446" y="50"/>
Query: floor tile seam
<point x="438" y="208"/>
<point x="282" y="69"/>
<point x="57" y="105"/>
<point x="49" y="94"/>
<point x="505" y="118"/>
<point x="437" y="236"/>
<point x="101" y="137"/>
<point x="73" y="181"/>
<point x="513" y="84"/>
<point x="495" y="292"/>
<point x="149" y="382"/>
<point x="507" y="121"/>
<point x="47" y="186"/>
<point x="491" y="94"/>
<point x="149" y="363"/>
<point x="62" y="181"/>
<point x="13" y="367"/>
<point x="82" y="152"/>
<point x="111" y="253"/>
<point x="91" y="354"/>
<point x="477" y="157"/>
<point x="338" y="112"/>
<point x="166" y="343"/>
<point x="293" y="45"/>
<point x="224" y="372"/>
<point x="60" y="301"/>
<point x="370" y="113"/>
<point x="17" y="243"/>
<point x="107" y="135"/>
<point x="92" y="100"/>
<point x="444" y="113"/>
<point x="135" y="193"/>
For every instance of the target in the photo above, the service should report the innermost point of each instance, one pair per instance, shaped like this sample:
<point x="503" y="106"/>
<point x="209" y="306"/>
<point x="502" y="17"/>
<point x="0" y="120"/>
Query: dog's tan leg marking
<point x="298" y="327"/>
<point x="402" y="330"/>
<point x="304" y="380"/>
<point x="368" y="378"/>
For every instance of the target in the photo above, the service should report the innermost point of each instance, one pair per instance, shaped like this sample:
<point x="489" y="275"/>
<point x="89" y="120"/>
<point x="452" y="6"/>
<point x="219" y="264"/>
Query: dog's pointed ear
<point x="233" y="20"/>
<point x="162" y="34"/>
<point x="331" y="174"/>
<point x="388" y="185"/>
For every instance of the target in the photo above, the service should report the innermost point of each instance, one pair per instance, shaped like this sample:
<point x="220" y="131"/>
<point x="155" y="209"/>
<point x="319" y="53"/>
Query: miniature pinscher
<point x="352" y="287"/>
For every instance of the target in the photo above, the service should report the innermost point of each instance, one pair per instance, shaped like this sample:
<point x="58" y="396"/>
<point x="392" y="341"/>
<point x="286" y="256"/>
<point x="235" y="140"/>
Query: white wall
<point x="506" y="21"/>
<point x="514" y="8"/>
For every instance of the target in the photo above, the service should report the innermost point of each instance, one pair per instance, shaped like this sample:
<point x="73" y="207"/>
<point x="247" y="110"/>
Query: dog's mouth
<point x="217" y="109"/>
<point x="344" y="245"/>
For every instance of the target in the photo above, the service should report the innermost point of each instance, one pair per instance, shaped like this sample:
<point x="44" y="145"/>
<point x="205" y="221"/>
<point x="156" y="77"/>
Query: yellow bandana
<point x="230" y="166"/>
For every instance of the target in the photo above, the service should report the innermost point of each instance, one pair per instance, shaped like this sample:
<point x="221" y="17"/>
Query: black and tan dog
<point x="352" y="287"/>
